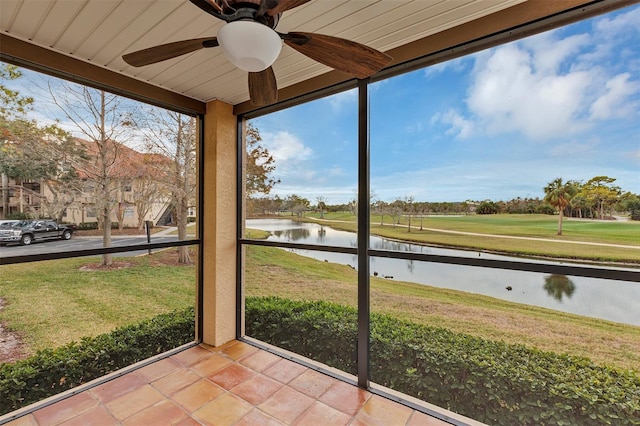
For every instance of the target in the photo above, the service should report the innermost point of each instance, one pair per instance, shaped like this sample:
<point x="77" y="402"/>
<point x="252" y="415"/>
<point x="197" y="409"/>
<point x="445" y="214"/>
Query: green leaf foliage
<point x="494" y="382"/>
<point x="52" y="371"/>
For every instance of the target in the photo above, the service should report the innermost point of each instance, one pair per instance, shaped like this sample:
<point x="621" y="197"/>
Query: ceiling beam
<point x="28" y="55"/>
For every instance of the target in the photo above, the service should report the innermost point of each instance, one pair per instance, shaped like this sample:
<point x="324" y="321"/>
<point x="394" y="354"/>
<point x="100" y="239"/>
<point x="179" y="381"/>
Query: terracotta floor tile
<point x="345" y="397"/>
<point x="189" y="421"/>
<point x="286" y="404"/>
<point x="196" y="395"/>
<point x="237" y="350"/>
<point x="175" y="381"/>
<point x="157" y="370"/>
<point x="231" y="376"/>
<point x="65" y="409"/>
<point x="235" y="384"/>
<point x="284" y="370"/>
<point x="321" y="414"/>
<point x="191" y="356"/>
<point x="133" y="402"/>
<point x="312" y="383"/>
<point x="224" y="410"/>
<point x="210" y="365"/>
<point x="260" y="360"/>
<point x="27" y="420"/>
<point x="257" y="389"/>
<point x="258" y="418"/>
<point x="117" y="387"/>
<point x="97" y="416"/>
<point x="163" y="413"/>
<point x="421" y="419"/>
<point x="378" y="411"/>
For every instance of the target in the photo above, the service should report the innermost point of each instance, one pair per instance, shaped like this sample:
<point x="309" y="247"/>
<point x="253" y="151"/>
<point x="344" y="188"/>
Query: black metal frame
<point x="10" y="260"/>
<point x="363" y="251"/>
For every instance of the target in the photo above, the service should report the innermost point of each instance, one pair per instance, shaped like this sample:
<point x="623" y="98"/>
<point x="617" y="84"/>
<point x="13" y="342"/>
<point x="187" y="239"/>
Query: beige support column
<point x="219" y="224"/>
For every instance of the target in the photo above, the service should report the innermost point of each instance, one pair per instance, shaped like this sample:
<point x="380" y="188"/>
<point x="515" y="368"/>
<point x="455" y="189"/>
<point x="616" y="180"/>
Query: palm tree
<point x="559" y="194"/>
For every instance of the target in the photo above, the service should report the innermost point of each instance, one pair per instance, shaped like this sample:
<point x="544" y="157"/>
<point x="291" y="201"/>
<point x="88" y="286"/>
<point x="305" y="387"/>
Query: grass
<point x="51" y="303"/>
<point x="274" y="272"/>
<point x="54" y="302"/>
<point x="539" y="231"/>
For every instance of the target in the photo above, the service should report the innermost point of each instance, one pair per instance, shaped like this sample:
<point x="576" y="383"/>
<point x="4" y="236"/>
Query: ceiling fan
<point x="250" y="42"/>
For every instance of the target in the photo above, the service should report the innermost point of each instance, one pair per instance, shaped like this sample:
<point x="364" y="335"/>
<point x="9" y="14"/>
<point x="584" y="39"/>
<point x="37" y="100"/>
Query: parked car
<point x="8" y="222"/>
<point x="27" y="231"/>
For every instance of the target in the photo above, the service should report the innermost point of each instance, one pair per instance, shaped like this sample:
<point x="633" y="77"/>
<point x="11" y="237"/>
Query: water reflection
<point x="558" y="286"/>
<point x="607" y="299"/>
<point x="295" y="234"/>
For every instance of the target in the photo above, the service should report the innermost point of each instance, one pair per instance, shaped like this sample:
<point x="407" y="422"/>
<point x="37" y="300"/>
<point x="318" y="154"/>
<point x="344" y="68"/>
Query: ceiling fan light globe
<point x="249" y="45"/>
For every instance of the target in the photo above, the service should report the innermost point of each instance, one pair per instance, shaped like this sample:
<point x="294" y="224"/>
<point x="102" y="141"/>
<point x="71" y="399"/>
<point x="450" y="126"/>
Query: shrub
<point x="87" y="226"/>
<point x="490" y="381"/>
<point x="546" y="209"/>
<point x="487" y="207"/>
<point x="52" y="371"/>
<point x="18" y="216"/>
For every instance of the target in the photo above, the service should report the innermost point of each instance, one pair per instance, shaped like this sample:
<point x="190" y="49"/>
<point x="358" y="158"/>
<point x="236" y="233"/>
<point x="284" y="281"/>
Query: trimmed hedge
<point x="494" y="382"/>
<point x="52" y="371"/>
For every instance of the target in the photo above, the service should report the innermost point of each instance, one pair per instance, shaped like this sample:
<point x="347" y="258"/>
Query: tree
<point x="322" y="205"/>
<point x="296" y="204"/>
<point x="11" y="105"/>
<point x="259" y="164"/>
<point x="381" y="208"/>
<point x="99" y="116"/>
<point x="171" y="137"/>
<point x="409" y="210"/>
<point x="558" y="286"/>
<point x="487" y="207"/>
<point x="631" y="203"/>
<point x="601" y="191"/>
<point x="559" y="195"/>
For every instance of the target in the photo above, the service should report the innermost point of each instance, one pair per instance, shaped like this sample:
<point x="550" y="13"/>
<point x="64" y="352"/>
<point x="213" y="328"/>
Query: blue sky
<point x="495" y="125"/>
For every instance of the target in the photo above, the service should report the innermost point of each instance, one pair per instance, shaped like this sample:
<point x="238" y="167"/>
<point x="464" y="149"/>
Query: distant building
<point x="137" y="190"/>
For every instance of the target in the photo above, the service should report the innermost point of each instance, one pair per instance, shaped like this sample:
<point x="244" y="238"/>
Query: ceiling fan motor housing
<point x="246" y="10"/>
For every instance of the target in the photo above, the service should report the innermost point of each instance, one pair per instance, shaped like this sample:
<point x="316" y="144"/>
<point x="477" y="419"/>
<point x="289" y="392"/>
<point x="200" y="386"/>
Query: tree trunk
<point x="181" y="221"/>
<point x="560" y="223"/>
<point x="5" y="196"/>
<point x="106" y="236"/>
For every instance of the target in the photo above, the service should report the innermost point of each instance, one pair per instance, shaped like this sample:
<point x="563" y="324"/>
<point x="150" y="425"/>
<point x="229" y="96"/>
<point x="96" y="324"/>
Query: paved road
<point x="83" y="243"/>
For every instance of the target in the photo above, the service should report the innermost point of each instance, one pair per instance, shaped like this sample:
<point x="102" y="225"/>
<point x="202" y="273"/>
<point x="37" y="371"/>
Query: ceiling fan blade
<point x="211" y="8"/>
<point x="282" y="5"/>
<point x="343" y="55"/>
<point x="263" y="89"/>
<point x="163" y="52"/>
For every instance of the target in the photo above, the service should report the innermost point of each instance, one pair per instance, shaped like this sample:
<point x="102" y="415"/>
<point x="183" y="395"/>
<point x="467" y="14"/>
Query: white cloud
<point x="342" y="99"/>
<point x="623" y="25"/>
<point x="547" y="87"/>
<point x="615" y="101"/>
<point x="509" y="94"/>
<point x="460" y="127"/>
<point x="455" y="65"/>
<point x="286" y="147"/>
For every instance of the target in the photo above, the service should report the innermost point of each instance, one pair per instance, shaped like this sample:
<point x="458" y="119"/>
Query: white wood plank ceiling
<point x="101" y="31"/>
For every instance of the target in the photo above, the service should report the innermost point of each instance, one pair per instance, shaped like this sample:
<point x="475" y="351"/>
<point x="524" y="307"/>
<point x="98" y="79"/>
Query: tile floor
<point x="235" y="384"/>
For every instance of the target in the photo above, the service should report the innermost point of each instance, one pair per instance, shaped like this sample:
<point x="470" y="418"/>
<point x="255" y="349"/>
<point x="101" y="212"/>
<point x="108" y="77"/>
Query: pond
<point x="612" y="300"/>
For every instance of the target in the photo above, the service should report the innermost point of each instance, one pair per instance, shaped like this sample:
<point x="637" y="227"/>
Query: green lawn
<point x="537" y="234"/>
<point x="274" y="272"/>
<point x="51" y="303"/>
